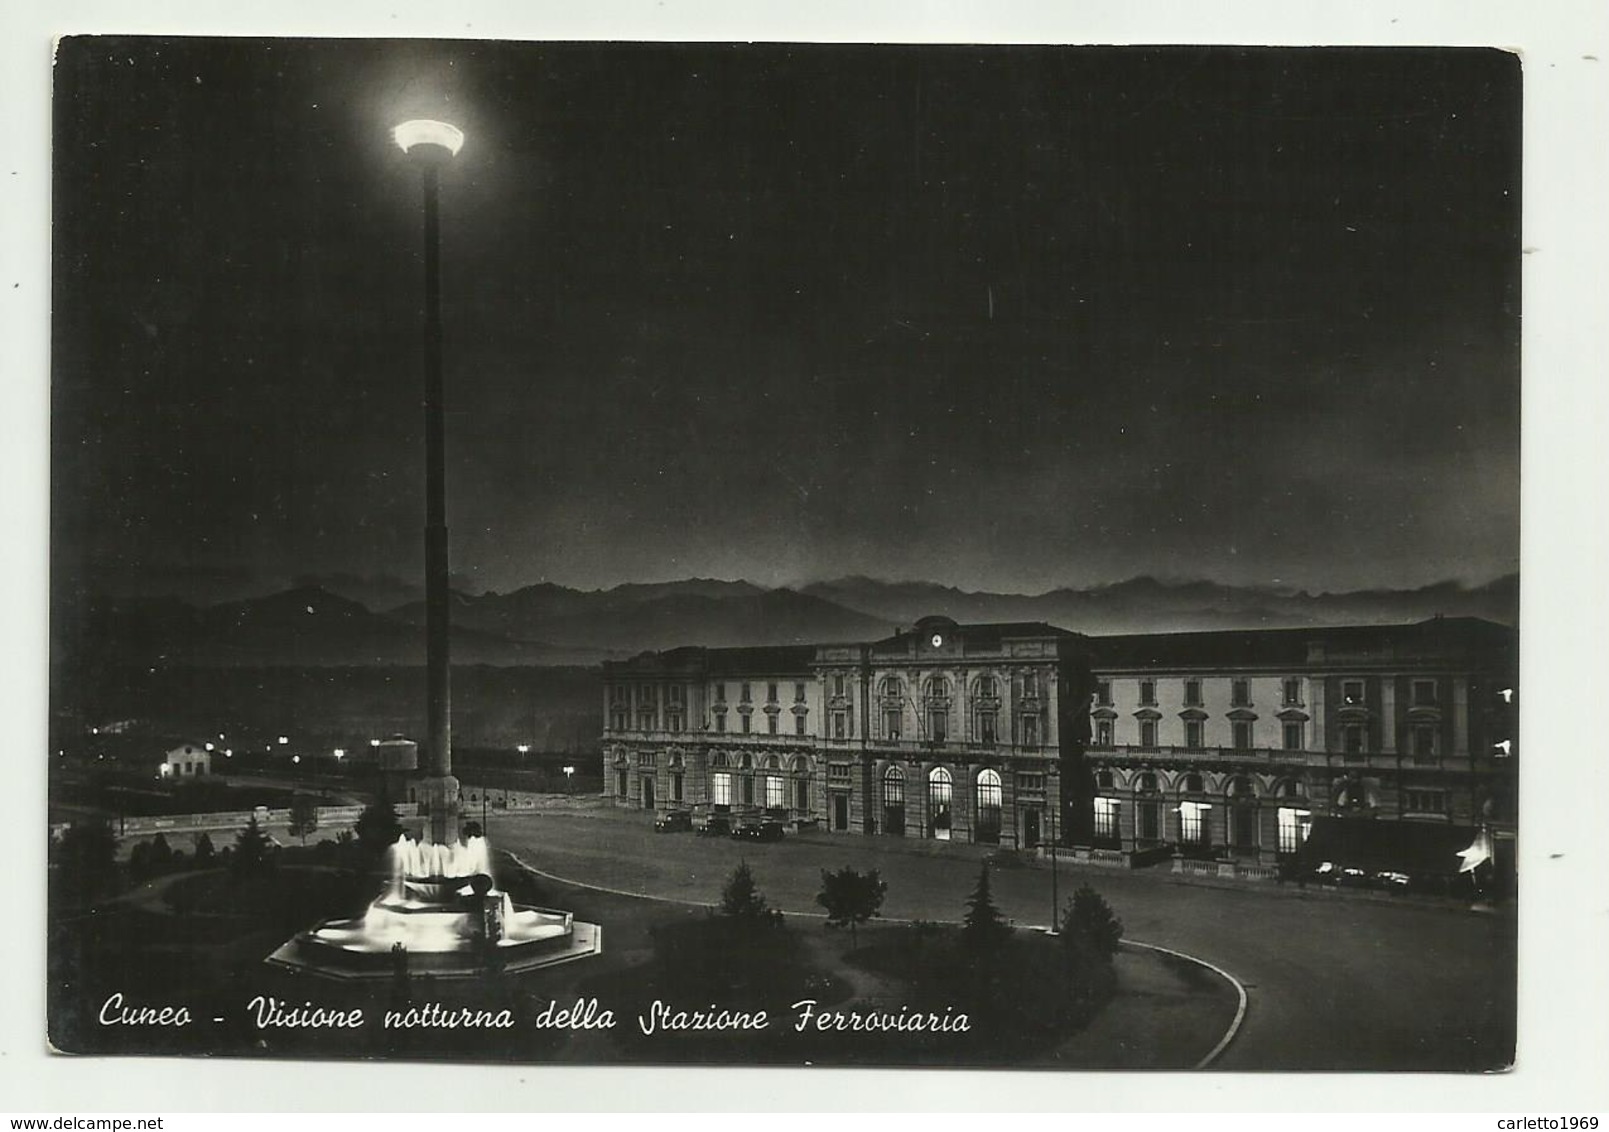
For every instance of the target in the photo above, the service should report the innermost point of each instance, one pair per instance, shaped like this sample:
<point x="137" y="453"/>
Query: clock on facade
<point x="938" y="640"/>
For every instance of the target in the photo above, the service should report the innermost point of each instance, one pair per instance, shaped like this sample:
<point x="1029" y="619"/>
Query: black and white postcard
<point x="782" y="554"/>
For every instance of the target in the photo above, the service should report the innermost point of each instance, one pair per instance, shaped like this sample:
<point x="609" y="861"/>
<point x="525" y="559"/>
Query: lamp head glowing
<point x="418" y="132"/>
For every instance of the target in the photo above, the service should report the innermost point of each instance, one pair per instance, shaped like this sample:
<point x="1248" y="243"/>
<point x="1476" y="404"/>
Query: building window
<point x="720" y="693"/>
<point x="775" y="795"/>
<point x="838" y="685"/>
<point x="1240" y="693"/>
<point x="1193" y="822"/>
<point x="674" y="694"/>
<point x="1147" y="692"/>
<point x="838" y="724"/>
<point x="647" y="758"/>
<point x="893" y="787"/>
<point x="676" y="788"/>
<point x="838" y="773"/>
<point x="891" y="688"/>
<point x="938" y="801"/>
<point x="1148" y="733"/>
<point x="1103" y="732"/>
<point x="986" y="728"/>
<point x="1192" y="733"/>
<point x="1106" y="811"/>
<point x="986" y="687"/>
<point x="743" y="692"/>
<point x="645" y="720"/>
<point x="1292" y="692"/>
<point x="1242" y="734"/>
<point x="798" y="693"/>
<point x="1293" y="736"/>
<point x="620" y="784"/>
<point x="1294" y="826"/>
<point x="1354" y="740"/>
<point x="674" y="721"/>
<point x="617" y="721"/>
<point x="891" y="719"/>
<point x="771" y="724"/>
<point x="748" y="789"/>
<point x="1103" y="692"/>
<point x="938" y="722"/>
<point x="745" y="720"/>
<point x="721" y="788"/>
<point x="1425" y="802"/>
<point x="720" y="721"/>
<point x="1424" y="742"/>
<point x="618" y="695"/>
<point x="989" y="805"/>
<point x="799" y="724"/>
<point x="1030" y="686"/>
<point x="1192" y="693"/>
<point x="1030" y="731"/>
<point x="1424" y="693"/>
<point x="1031" y="783"/>
<point x="1352" y="691"/>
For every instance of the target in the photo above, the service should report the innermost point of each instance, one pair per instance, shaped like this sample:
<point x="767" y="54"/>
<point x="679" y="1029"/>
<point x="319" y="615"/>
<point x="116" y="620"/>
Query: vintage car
<point x="716" y="825"/>
<point x="768" y="829"/>
<point x="674" y="821"/>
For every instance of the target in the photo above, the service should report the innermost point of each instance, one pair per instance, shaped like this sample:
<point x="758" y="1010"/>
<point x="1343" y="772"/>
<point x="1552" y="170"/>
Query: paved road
<point x="1335" y="981"/>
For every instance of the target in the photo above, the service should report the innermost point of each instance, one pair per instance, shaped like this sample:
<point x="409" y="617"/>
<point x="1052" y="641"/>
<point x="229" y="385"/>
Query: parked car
<point x="674" y="821"/>
<point x="716" y="825"/>
<point x="768" y="830"/>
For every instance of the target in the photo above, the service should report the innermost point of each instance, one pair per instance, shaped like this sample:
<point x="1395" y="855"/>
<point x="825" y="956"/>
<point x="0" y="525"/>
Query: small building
<point x="187" y="760"/>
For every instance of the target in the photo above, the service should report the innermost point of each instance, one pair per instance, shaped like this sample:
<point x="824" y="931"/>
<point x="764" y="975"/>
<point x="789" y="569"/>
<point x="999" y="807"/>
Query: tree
<point x="1089" y="918"/>
<point x="984" y="930"/>
<point x="204" y="851"/>
<point x="851" y="898"/>
<point x="740" y="897"/>
<point x="304" y="816"/>
<point x="377" y="827"/>
<point x="161" y="854"/>
<point x="87" y="860"/>
<point x="253" y="851"/>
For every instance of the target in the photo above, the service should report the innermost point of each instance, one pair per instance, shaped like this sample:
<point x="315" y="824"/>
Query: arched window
<point x="1192" y="784"/>
<point x="891" y="688"/>
<point x="718" y="759"/>
<point x="986" y="688"/>
<point x="939" y="785"/>
<point x="1146" y="784"/>
<point x="937" y="691"/>
<point x="988" y="829"/>
<point x="937" y="688"/>
<point x="894" y="802"/>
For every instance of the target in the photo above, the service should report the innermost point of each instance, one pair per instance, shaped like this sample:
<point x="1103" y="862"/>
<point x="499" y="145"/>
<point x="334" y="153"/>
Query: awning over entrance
<point x="1415" y="848"/>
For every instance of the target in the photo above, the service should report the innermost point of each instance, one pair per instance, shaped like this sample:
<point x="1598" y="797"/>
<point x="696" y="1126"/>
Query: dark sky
<point x="1005" y="318"/>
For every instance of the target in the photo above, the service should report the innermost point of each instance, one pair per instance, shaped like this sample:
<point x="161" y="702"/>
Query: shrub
<point x="253" y="854"/>
<point x="204" y="851"/>
<point x="984" y="930"/>
<point x="851" y="898"/>
<point x="741" y="897"/>
<point x="1089" y="919"/>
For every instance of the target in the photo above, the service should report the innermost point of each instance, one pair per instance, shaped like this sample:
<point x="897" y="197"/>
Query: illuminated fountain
<point x="441" y="915"/>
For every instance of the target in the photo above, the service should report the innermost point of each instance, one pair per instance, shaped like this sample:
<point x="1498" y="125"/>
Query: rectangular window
<point x="673" y="722"/>
<point x="1242" y="735"/>
<point x="774" y="796"/>
<point x="647" y="758"/>
<point x="1148" y="733"/>
<point x="1293" y="736"/>
<point x="1106" y="810"/>
<point x="1425" y="802"/>
<point x="743" y="692"/>
<point x="1031" y="783"/>
<point x="1193" y="822"/>
<point x="1103" y="692"/>
<point x="838" y="725"/>
<point x="799" y="724"/>
<point x="746" y="725"/>
<point x="620" y="784"/>
<point x="771" y="693"/>
<point x="1424" y="742"/>
<point x="891" y="726"/>
<point x="798" y="693"/>
<point x="1293" y="692"/>
<point x="645" y="720"/>
<point x="1148" y="691"/>
<point x="838" y="773"/>
<point x="771" y="723"/>
<point x="1030" y="731"/>
<point x="1354" y="740"/>
<point x="1240" y="693"/>
<point x="1192" y="733"/>
<point x="938" y="722"/>
<point x="674" y="694"/>
<point x="617" y="721"/>
<point x="1294" y="826"/>
<point x="1030" y="686"/>
<point x="618" y="694"/>
<point x="720" y="721"/>
<point x="837" y="685"/>
<point x="1192" y="693"/>
<point x="1352" y="691"/>
<point x="720" y="693"/>
<point x="1424" y="693"/>
<point x="1103" y="732"/>
<point x="986" y="728"/>
<point x="721" y="788"/>
<point x="748" y="789"/>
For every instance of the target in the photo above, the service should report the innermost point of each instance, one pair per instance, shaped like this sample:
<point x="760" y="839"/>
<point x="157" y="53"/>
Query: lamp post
<point x="430" y="144"/>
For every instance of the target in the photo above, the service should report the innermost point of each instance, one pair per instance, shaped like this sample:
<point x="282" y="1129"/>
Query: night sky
<point x="1003" y="318"/>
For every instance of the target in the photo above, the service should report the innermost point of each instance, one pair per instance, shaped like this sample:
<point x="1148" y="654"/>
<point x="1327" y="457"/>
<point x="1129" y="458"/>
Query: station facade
<point x="1218" y="745"/>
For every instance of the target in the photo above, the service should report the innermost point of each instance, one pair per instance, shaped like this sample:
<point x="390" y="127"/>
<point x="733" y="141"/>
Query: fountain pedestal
<point x="438" y="796"/>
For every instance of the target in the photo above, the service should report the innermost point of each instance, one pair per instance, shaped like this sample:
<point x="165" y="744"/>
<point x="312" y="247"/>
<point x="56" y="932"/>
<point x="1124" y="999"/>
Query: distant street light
<point x="523" y="748"/>
<point x="569" y="775"/>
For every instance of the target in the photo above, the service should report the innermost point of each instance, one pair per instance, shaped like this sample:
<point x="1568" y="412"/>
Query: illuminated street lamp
<point x="430" y="144"/>
<point x="569" y="775"/>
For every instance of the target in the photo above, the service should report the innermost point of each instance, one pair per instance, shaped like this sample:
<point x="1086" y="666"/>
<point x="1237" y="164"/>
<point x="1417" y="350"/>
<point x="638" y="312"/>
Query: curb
<point x="1205" y="1063"/>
